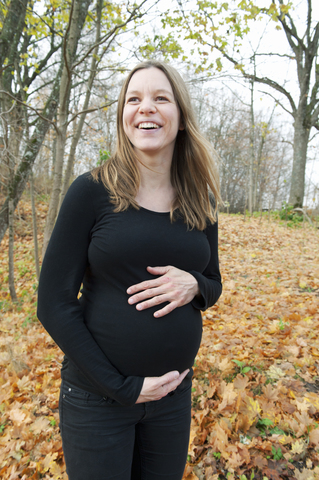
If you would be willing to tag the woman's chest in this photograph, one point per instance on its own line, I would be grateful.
(145, 238)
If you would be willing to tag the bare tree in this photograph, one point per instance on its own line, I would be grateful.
(226, 121)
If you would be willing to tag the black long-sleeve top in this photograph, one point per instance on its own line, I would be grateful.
(110, 346)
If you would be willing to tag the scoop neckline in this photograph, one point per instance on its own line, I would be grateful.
(153, 212)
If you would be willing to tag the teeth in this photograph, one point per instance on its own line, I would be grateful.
(148, 125)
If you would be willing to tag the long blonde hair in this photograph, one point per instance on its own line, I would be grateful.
(193, 169)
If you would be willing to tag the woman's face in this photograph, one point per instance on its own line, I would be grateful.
(151, 117)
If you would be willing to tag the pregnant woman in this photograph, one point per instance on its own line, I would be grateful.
(140, 234)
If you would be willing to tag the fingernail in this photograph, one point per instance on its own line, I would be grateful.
(128, 290)
(155, 314)
(130, 300)
(139, 307)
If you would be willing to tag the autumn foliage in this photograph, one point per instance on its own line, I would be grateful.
(256, 377)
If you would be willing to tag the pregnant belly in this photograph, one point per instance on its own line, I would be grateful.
(139, 344)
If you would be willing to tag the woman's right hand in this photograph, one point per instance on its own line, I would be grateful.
(155, 388)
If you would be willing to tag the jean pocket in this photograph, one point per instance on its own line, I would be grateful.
(81, 398)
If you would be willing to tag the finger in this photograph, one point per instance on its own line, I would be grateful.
(144, 285)
(161, 386)
(168, 377)
(167, 309)
(183, 374)
(170, 387)
(159, 270)
(153, 302)
(149, 293)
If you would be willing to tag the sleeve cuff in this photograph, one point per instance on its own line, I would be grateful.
(199, 302)
(131, 391)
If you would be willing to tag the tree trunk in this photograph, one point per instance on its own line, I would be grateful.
(20, 178)
(79, 126)
(78, 14)
(12, 29)
(35, 230)
(11, 254)
(301, 138)
(252, 149)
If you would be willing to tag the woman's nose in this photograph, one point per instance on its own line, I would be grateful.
(147, 106)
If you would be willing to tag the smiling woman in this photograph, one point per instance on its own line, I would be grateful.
(140, 234)
(151, 117)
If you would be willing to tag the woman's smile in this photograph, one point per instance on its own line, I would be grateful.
(148, 125)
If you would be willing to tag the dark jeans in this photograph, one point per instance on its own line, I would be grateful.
(103, 440)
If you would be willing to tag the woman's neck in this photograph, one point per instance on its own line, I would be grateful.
(155, 191)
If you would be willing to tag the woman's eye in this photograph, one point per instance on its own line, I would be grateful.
(162, 99)
(132, 99)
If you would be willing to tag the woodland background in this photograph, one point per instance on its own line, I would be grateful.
(253, 73)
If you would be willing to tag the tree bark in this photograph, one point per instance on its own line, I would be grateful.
(78, 14)
(301, 138)
(20, 178)
(12, 289)
(12, 29)
(35, 230)
(79, 126)
(251, 205)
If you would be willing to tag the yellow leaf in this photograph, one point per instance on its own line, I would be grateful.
(253, 407)
(39, 425)
(17, 416)
(291, 394)
(298, 447)
(314, 437)
(48, 461)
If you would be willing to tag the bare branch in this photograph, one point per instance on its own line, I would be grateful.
(46, 23)
(89, 110)
(65, 41)
(314, 100)
(10, 109)
(315, 41)
(42, 64)
(31, 108)
(43, 85)
(291, 31)
(309, 21)
(315, 116)
(4, 68)
(110, 34)
(236, 95)
(264, 80)
(277, 101)
(313, 136)
(282, 55)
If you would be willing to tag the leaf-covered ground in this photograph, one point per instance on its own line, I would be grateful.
(256, 384)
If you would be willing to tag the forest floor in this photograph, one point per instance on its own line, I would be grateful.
(256, 376)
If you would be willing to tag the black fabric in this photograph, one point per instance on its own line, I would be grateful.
(102, 441)
(110, 346)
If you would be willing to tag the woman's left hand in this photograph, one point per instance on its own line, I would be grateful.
(174, 286)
